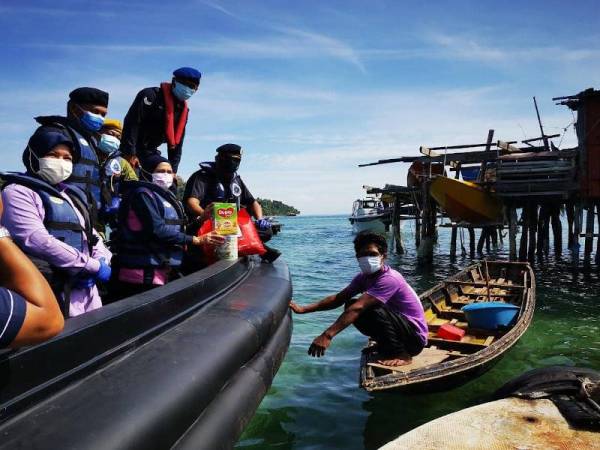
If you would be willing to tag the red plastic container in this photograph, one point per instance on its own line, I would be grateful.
(451, 332)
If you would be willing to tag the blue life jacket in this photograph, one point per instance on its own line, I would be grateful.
(217, 191)
(60, 218)
(110, 189)
(134, 249)
(86, 172)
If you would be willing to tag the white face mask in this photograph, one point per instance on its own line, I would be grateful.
(369, 264)
(164, 180)
(54, 170)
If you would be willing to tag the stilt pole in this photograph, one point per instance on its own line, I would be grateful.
(589, 234)
(570, 209)
(482, 239)
(598, 240)
(576, 232)
(471, 242)
(453, 241)
(557, 231)
(512, 233)
(524, 233)
(533, 221)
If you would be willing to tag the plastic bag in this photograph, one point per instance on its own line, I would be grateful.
(249, 243)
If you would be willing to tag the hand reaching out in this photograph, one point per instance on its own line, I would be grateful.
(319, 345)
(296, 308)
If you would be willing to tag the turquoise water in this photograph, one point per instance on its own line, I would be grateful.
(316, 403)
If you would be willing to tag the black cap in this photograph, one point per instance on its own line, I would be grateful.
(151, 162)
(90, 96)
(229, 149)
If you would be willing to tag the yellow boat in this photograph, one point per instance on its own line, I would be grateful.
(466, 201)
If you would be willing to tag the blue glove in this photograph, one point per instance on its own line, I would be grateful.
(84, 281)
(114, 205)
(263, 224)
(104, 271)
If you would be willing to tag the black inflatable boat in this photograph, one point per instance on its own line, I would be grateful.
(182, 366)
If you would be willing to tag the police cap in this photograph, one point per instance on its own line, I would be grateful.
(187, 72)
(89, 96)
(230, 149)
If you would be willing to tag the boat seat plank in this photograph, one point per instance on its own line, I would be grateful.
(450, 313)
(427, 357)
(493, 293)
(437, 322)
(455, 345)
(477, 284)
(466, 289)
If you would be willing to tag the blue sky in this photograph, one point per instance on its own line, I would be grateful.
(311, 88)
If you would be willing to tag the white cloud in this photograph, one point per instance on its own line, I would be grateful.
(464, 47)
(218, 7)
(284, 43)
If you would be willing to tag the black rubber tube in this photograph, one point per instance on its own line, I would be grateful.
(152, 395)
(224, 420)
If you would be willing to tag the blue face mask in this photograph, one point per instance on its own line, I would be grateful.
(181, 91)
(108, 144)
(91, 121)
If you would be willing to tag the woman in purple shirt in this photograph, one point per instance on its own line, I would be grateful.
(49, 221)
(388, 311)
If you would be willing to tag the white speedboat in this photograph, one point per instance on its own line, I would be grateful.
(369, 214)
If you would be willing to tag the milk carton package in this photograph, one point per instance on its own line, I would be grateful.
(224, 217)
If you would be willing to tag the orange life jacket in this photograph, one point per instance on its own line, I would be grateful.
(173, 137)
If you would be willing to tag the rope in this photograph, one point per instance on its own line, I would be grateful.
(566, 128)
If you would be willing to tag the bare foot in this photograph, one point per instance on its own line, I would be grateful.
(403, 360)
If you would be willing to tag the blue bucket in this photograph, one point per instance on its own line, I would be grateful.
(490, 315)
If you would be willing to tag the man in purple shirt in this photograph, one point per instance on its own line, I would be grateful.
(388, 311)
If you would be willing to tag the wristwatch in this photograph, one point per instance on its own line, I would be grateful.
(4, 232)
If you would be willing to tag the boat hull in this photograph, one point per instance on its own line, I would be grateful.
(474, 357)
(464, 201)
(375, 225)
(153, 370)
(507, 423)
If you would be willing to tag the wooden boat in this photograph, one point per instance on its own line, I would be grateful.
(183, 365)
(447, 363)
(464, 201)
(420, 171)
(540, 420)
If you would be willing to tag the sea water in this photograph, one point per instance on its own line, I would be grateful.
(315, 403)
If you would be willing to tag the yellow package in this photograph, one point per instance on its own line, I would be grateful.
(225, 218)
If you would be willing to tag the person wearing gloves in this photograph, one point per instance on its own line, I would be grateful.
(219, 181)
(159, 115)
(388, 311)
(151, 238)
(50, 221)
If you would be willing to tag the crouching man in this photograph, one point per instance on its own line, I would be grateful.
(388, 311)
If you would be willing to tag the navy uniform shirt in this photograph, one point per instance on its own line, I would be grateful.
(12, 314)
(144, 126)
(202, 185)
